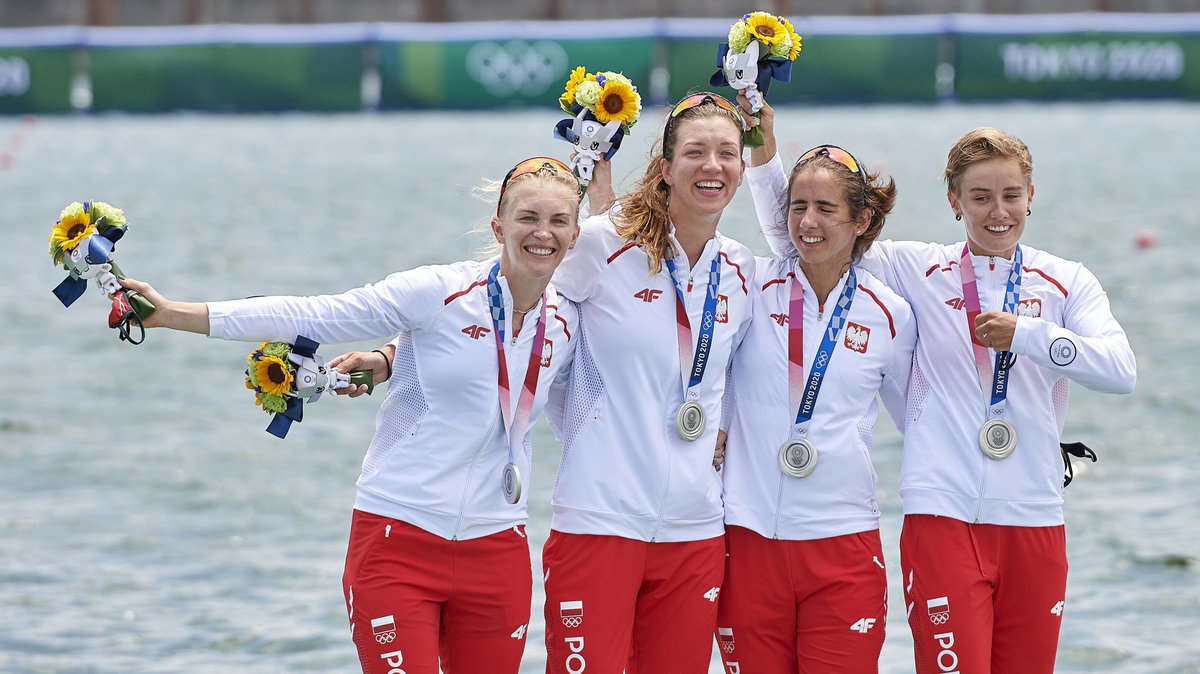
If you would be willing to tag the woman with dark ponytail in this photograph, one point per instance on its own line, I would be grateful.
(805, 586)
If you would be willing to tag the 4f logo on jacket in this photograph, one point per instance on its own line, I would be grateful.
(648, 294)
(781, 319)
(956, 303)
(857, 337)
(476, 331)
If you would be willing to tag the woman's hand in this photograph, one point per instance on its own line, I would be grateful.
(765, 120)
(378, 361)
(719, 451)
(600, 191)
(995, 329)
(187, 316)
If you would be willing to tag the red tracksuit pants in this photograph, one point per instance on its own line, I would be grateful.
(802, 606)
(983, 598)
(618, 605)
(413, 597)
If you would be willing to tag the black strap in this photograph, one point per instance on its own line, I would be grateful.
(130, 318)
(1076, 449)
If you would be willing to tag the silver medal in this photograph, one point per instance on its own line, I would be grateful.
(511, 481)
(798, 457)
(997, 439)
(689, 420)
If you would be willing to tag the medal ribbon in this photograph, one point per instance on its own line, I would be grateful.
(1012, 293)
(514, 423)
(802, 394)
(684, 326)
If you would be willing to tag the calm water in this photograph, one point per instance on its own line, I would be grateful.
(148, 524)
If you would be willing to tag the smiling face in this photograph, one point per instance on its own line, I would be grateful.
(705, 168)
(538, 222)
(992, 197)
(820, 222)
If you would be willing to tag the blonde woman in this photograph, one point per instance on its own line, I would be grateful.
(438, 569)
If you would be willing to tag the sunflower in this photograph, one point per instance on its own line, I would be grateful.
(618, 100)
(272, 375)
(766, 28)
(795, 50)
(68, 232)
(578, 77)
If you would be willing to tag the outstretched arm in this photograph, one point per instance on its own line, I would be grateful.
(186, 316)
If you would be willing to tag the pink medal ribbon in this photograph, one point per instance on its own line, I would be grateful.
(515, 421)
(966, 270)
(997, 437)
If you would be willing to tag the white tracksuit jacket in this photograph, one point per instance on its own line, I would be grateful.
(624, 471)
(1065, 332)
(439, 447)
(873, 355)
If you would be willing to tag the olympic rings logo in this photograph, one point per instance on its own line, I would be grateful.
(385, 637)
(516, 66)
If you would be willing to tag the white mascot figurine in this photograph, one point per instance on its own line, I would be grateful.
(593, 141)
(742, 72)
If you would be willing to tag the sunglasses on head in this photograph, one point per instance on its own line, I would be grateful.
(696, 100)
(702, 97)
(836, 154)
(533, 165)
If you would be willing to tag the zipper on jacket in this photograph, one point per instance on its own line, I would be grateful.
(778, 506)
(982, 486)
(462, 505)
(662, 499)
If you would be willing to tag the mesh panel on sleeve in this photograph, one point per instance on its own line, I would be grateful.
(584, 390)
(918, 390)
(401, 411)
(866, 426)
(728, 399)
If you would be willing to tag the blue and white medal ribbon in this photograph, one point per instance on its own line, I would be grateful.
(515, 421)
(798, 455)
(690, 417)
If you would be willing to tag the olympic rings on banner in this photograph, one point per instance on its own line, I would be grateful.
(517, 67)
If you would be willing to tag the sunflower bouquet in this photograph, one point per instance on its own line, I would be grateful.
(761, 47)
(82, 243)
(284, 375)
(603, 106)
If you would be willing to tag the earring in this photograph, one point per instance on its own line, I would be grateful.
(958, 216)
(1028, 212)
